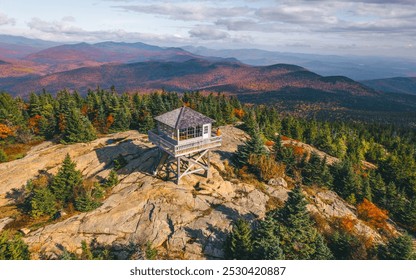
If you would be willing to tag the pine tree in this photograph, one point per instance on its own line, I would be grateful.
(112, 179)
(346, 246)
(77, 128)
(12, 247)
(239, 245)
(312, 171)
(3, 156)
(346, 181)
(42, 202)
(253, 146)
(399, 248)
(122, 119)
(298, 236)
(66, 181)
(322, 252)
(266, 244)
(85, 202)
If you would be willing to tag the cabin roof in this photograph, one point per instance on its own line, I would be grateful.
(183, 117)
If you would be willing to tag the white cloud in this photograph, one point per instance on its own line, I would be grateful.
(188, 12)
(5, 20)
(208, 33)
(64, 30)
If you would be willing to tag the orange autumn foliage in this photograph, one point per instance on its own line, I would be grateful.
(297, 150)
(33, 123)
(110, 121)
(284, 138)
(347, 223)
(5, 131)
(373, 215)
(266, 167)
(239, 113)
(269, 143)
(62, 122)
(84, 110)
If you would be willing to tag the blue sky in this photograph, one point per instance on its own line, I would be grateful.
(360, 27)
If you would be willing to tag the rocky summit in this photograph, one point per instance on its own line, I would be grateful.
(189, 221)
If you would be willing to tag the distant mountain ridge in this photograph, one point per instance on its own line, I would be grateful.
(405, 85)
(355, 67)
(194, 74)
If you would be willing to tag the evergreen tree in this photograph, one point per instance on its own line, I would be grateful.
(85, 202)
(77, 128)
(253, 146)
(399, 248)
(12, 247)
(122, 119)
(66, 182)
(240, 245)
(266, 244)
(316, 171)
(346, 246)
(322, 251)
(146, 122)
(42, 202)
(10, 112)
(112, 179)
(299, 238)
(346, 181)
(3, 156)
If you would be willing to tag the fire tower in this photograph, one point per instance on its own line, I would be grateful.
(184, 139)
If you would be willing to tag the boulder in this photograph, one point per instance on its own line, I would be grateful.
(278, 182)
(4, 222)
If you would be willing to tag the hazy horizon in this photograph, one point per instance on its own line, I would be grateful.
(345, 27)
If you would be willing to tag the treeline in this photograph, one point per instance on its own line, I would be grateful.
(71, 118)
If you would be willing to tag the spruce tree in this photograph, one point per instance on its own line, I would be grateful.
(3, 156)
(12, 247)
(122, 120)
(322, 252)
(112, 179)
(298, 236)
(77, 128)
(266, 244)
(253, 146)
(42, 202)
(66, 181)
(239, 245)
(399, 248)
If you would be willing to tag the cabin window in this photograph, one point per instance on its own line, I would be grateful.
(183, 134)
(205, 129)
(190, 132)
(198, 131)
(165, 129)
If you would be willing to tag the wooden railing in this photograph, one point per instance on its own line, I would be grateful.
(186, 148)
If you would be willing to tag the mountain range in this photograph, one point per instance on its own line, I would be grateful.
(28, 65)
(138, 66)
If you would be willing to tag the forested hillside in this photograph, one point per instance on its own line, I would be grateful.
(383, 193)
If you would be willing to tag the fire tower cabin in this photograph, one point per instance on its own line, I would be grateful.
(184, 139)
